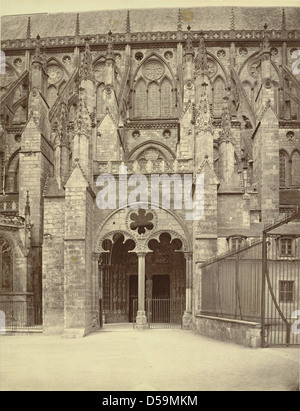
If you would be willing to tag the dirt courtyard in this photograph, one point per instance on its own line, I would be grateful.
(120, 358)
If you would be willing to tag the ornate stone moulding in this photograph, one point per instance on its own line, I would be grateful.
(162, 39)
(140, 125)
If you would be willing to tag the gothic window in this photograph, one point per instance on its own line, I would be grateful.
(153, 100)
(16, 179)
(12, 174)
(6, 265)
(283, 169)
(1, 171)
(296, 169)
(51, 95)
(20, 115)
(166, 98)
(62, 86)
(18, 94)
(100, 101)
(153, 92)
(100, 72)
(218, 95)
(141, 99)
(216, 160)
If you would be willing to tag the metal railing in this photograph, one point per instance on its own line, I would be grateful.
(231, 286)
(162, 312)
(259, 283)
(21, 315)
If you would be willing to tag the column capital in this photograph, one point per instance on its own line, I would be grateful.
(188, 255)
(141, 253)
(95, 256)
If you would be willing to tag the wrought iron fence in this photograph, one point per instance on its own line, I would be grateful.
(281, 279)
(231, 286)
(259, 283)
(162, 312)
(21, 315)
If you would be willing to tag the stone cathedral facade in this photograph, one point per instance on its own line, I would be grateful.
(175, 92)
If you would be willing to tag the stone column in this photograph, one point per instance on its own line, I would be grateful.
(141, 319)
(100, 284)
(95, 291)
(187, 316)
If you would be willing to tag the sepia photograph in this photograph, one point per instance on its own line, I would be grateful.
(149, 198)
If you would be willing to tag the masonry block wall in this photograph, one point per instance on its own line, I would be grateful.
(53, 265)
(148, 99)
(266, 166)
(77, 257)
(108, 143)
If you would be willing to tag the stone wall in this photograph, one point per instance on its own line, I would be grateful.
(243, 333)
(53, 265)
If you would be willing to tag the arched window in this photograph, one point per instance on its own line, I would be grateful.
(218, 95)
(20, 115)
(141, 99)
(216, 160)
(6, 265)
(296, 169)
(166, 98)
(153, 100)
(283, 169)
(100, 102)
(51, 95)
(16, 179)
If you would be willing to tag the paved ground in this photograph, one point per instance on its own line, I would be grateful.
(161, 360)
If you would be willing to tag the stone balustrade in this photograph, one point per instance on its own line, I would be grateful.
(139, 37)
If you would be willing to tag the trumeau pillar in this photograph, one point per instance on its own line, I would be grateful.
(141, 319)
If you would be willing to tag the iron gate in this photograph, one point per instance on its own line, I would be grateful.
(162, 312)
(21, 315)
(259, 283)
(281, 282)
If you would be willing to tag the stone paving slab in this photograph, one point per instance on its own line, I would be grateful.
(121, 358)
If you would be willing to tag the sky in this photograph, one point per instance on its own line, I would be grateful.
(10, 7)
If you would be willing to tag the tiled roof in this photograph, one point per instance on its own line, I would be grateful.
(147, 20)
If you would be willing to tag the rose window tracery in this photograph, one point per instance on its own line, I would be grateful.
(141, 221)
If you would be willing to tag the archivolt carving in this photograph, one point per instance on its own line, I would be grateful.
(110, 236)
(174, 235)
